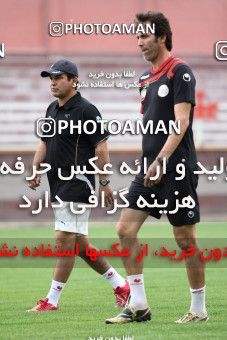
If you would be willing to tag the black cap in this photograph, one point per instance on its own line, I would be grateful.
(60, 67)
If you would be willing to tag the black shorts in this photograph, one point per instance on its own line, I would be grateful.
(171, 189)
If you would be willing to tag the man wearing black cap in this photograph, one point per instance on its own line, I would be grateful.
(64, 150)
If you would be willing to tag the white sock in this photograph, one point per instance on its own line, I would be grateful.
(198, 300)
(55, 292)
(138, 295)
(114, 278)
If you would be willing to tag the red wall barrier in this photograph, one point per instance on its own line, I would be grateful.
(196, 25)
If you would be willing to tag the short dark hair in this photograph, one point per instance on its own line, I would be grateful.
(162, 26)
(70, 76)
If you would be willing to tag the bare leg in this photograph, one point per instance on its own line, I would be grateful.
(127, 228)
(101, 265)
(184, 236)
(64, 265)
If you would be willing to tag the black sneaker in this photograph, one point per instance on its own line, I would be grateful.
(130, 314)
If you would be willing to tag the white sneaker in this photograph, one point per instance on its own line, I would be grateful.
(192, 317)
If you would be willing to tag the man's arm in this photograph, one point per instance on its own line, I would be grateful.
(102, 152)
(39, 157)
(182, 114)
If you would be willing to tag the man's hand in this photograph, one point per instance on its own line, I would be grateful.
(154, 170)
(108, 196)
(39, 157)
(34, 183)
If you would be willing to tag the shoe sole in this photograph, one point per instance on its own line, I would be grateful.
(202, 320)
(141, 319)
(40, 311)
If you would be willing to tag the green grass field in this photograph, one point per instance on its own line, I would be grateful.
(88, 300)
